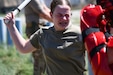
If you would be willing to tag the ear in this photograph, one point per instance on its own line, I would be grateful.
(51, 14)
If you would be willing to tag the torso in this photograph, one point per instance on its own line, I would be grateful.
(64, 52)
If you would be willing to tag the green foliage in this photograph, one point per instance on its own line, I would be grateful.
(14, 63)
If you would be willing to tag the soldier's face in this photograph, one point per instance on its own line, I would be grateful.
(61, 17)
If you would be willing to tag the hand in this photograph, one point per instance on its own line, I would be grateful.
(9, 19)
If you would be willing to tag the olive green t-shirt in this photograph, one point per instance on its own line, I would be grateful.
(63, 50)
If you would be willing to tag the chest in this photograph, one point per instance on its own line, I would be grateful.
(60, 45)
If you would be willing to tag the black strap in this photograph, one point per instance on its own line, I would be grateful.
(107, 35)
(96, 49)
(89, 31)
(18, 9)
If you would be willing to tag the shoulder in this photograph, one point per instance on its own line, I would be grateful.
(45, 29)
(74, 28)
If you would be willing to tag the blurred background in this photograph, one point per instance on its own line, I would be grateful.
(8, 5)
(11, 61)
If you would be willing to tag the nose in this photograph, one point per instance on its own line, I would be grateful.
(64, 17)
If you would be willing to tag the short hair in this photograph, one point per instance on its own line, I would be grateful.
(54, 3)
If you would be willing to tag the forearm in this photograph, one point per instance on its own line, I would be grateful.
(21, 44)
(41, 9)
(46, 11)
(46, 16)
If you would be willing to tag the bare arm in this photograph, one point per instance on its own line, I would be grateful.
(46, 13)
(41, 9)
(24, 46)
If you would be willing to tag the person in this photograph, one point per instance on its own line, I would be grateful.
(97, 26)
(36, 14)
(62, 44)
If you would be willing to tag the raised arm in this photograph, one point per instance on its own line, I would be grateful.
(24, 46)
(41, 9)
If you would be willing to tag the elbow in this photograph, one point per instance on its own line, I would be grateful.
(26, 50)
(23, 50)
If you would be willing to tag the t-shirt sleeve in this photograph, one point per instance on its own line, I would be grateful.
(34, 39)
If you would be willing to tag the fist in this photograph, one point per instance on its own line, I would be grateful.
(9, 19)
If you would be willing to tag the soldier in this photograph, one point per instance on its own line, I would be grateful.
(62, 44)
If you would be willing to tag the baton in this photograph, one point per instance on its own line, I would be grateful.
(19, 8)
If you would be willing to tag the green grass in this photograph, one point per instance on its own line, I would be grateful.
(14, 63)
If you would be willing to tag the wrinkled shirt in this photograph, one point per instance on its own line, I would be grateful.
(63, 50)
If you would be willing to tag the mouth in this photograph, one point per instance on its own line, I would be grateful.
(63, 24)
